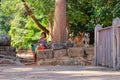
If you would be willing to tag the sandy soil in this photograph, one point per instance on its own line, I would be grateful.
(57, 73)
(33, 72)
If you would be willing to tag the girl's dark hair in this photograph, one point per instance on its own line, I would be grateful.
(43, 33)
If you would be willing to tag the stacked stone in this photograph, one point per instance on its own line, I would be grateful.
(61, 54)
(5, 46)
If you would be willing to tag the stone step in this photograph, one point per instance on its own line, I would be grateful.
(65, 61)
(70, 56)
(45, 54)
(75, 51)
(90, 50)
(8, 51)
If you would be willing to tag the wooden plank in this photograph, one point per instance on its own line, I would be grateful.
(98, 27)
(118, 47)
(103, 46)
(115, 24)
(106, 47)
(111, 49)
(114, 49)
(106, 28)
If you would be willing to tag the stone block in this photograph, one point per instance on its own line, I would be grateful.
(47, 62)
(58, 46)
(75, 52)
(8, 51)
(44, 54)
(60, 53)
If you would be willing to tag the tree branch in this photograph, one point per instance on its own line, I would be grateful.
(29, 12)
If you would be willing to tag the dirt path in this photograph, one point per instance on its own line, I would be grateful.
(33, 72)
(57, 73)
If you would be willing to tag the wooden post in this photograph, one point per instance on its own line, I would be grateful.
(116, 54)
(97, 28)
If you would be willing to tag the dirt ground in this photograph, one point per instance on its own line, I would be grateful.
(57, 73)
(31, 71)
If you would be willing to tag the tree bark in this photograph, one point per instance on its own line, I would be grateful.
(29, 12)
(68, 27)
(50, 26)
(59, 30)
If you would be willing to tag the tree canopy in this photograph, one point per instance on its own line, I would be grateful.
(82, 15)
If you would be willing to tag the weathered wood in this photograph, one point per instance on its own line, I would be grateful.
(5, 40)
(98, 27)
(106, 28)
(107, 45)
(116, 25)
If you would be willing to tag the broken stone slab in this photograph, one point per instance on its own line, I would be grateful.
(5, 40)
(58, 46)
(60, 53)
(44, 54)
(7, 48)
(47, 62)
(69, 45)
(71, 61)
(75, 52)
(62, 46)
(8, 53)
(5, 60)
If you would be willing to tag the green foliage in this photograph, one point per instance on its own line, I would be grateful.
(83, 15)
(4, 23)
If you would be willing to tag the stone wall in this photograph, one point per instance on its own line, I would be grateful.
(69, 56)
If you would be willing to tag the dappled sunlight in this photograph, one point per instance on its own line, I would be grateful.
(22, 69)
(28, 56)
(18, 69)
(57, 73)
(88, 73)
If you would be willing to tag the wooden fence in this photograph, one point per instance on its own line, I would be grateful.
(107, 45)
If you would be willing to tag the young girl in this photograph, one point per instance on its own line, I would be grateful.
(41, 45)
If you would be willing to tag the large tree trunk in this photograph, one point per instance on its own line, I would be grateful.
(29, 12)
(59, 30)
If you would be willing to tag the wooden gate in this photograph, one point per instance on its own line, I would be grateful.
(107, 45)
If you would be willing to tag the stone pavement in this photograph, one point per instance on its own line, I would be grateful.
(57, 73)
